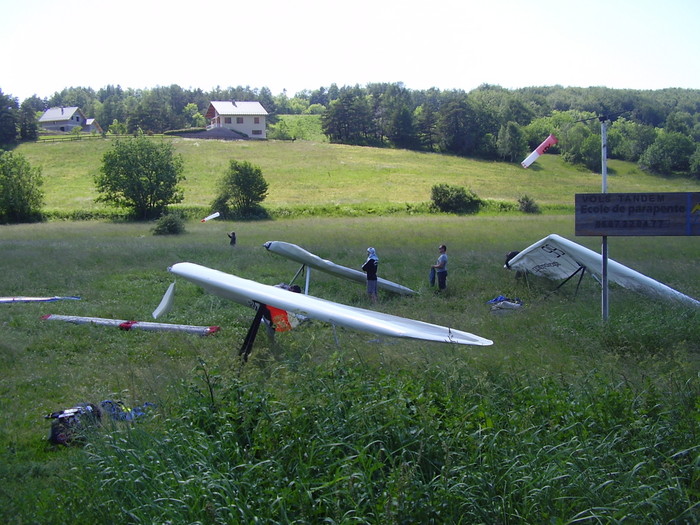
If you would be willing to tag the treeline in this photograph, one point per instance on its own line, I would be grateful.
(658, 129)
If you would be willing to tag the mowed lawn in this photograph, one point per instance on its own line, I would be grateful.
(304, 173)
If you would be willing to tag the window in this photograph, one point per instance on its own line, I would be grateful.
(239, 120)
(256, 120)
(257, 132)
(227, 120)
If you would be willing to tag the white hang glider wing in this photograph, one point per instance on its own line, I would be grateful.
(556, 258)
(250, 293)
(300, 255)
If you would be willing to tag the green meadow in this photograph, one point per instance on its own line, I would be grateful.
(565, 419)
(305, 175)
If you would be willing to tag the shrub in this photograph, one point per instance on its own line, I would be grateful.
(169, 224)
(454, 199)
(527, 204)
(241, 190)
(21, 197)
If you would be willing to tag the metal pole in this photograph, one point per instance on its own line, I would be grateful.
(308, 280)
(604, 250)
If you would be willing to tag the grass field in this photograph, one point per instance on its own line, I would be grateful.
(561, 420)
(308, 174)
(565, 419)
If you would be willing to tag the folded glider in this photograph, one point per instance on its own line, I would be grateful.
(251, 293)
(37, 299)
(300, 255)
(134, 325)
(555, 257)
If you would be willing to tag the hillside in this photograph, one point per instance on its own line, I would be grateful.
(305, 173)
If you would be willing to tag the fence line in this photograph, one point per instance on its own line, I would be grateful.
(70, 138)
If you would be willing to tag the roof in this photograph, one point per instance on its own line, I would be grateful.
(52, 114)
(234, 107)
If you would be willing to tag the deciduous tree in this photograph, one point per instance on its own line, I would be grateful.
(8, 119)
(142, 175)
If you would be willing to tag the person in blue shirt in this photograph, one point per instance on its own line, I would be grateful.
(440, 268)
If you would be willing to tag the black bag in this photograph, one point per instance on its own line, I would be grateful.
(70, 425)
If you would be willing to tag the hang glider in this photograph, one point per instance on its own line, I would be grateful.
(308, 259)
(134, 325)
(37, 299)
(556, 258)
(251, 293)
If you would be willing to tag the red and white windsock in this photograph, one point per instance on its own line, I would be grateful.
(532, 157)
(210, 217)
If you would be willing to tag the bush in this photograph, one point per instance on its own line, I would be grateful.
(455, 199)
(241, 190)
(20, 195)
(169, 224)
(527, 204)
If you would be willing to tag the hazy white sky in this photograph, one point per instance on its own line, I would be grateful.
(48, 45)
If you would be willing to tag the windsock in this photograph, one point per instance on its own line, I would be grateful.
(212, 216)
(532, 157)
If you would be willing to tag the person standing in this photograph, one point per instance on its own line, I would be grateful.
(440, 268)
(370, 268)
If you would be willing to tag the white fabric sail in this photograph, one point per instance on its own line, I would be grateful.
(556, 257)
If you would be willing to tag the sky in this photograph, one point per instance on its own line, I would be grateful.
(290, 46)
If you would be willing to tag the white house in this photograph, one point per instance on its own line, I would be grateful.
(63, 119)
(248, 118)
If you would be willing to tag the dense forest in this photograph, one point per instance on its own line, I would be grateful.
(658, 129)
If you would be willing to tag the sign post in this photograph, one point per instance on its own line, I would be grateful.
(604, 248)
(635, 214)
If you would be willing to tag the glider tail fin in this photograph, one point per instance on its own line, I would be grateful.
(166, 303)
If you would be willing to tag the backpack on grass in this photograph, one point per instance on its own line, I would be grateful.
(70, 425)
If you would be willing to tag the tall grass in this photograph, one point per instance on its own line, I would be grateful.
(565, 419)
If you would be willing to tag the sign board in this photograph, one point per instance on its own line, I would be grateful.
(637, 214)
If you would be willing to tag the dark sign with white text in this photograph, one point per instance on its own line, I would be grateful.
(641, 214)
